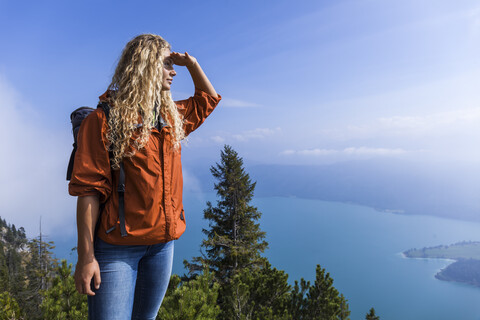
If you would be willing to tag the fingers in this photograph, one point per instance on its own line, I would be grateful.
(97, 279)
(83, 287)
(177, 58)
(183, 59)
(87, 289)
(86, 278)
(178, 55)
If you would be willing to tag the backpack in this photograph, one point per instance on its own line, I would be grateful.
(77, 117)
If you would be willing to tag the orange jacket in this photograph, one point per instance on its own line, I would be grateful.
(153, 177)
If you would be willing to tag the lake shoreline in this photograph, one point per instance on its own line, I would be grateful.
(465, 257)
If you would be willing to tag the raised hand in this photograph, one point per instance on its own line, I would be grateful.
(183, 59)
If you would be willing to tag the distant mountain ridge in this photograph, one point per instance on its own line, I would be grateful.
(387, 185)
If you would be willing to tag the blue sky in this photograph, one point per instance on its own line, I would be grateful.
(304, 82)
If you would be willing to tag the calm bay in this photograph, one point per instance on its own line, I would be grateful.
(361, 249)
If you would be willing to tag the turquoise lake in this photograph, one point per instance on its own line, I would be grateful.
(361, 249)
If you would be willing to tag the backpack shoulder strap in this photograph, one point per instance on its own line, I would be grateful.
(121, 181)
(105, 107)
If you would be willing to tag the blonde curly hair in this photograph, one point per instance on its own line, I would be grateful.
(137, 92)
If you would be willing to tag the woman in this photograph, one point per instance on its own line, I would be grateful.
(127, 175)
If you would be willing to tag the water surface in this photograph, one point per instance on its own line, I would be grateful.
(360, 248)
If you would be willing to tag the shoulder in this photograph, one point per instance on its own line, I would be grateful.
(94, 123)
(97, 115)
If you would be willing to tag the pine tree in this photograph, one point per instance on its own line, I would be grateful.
(26, 268)
(195, 299)
(61, 300)
(249, 286)
(13, 253)
(9, 308)
(4, 278)
(259, 294)
(39, 270)
(323, 299)
(234, 240)
(371, 315)
(298, 301)
(318, 301)
(344, 310)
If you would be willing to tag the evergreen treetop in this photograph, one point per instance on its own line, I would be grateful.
(234, 239)
(371, 315)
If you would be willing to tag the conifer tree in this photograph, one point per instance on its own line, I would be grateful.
(195, 299)
(26, 268)
(234, 239)
(39, 270)
(13, 253)
(371, 315)
(344, 310)
(298, 301)
(9, 308)
(61, 300)
(258, 294)
(324, 300)
(318, 301)
(4, 278)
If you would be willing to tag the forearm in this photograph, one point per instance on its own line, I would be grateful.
(200, 79)
(87, 216)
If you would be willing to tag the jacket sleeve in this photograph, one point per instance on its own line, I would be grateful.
(196, 109)
(91, 170)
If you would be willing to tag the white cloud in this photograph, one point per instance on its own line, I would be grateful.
(373, 151)
(235, 103)
(32, 168)
(288, 152)
(317, 152)
(259, 133)
(217, 139)
(191, 182)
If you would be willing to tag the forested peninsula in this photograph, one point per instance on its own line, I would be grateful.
(465, 269)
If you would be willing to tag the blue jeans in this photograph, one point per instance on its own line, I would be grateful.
(134, 281)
